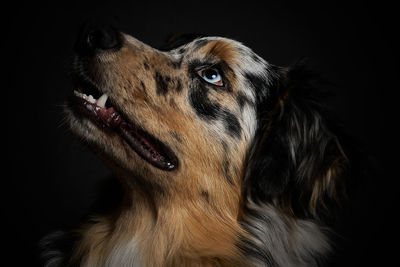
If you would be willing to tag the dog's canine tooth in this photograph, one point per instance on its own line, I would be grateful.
(101, 102)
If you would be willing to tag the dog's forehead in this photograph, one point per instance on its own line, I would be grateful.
(239, 57)
(244, 59)
(203, 45)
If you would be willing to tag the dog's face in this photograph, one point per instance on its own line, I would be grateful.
(182, 119)
(194, 121)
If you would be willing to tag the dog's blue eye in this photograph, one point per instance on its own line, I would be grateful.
(211, 75)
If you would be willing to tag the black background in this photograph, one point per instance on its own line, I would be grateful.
(50, 178)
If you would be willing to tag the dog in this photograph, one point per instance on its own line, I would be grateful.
(223, 158)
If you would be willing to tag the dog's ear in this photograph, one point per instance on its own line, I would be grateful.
(297, 161)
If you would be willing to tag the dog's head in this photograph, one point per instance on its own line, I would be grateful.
(206, 121)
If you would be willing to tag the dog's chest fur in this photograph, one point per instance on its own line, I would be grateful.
(126, 254)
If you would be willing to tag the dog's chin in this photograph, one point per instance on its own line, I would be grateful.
(105, 129)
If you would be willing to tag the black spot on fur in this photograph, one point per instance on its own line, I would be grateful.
(259, 84)
(242, 100)
(173, 104)
(162, 84)
(231, 123)
(176, 136)
(205, 195)
(176, 64)
(178, 87)
(194, 65)
(182, 50)
(227, 173)
(224, 146)
(143, 87)
(206, 109)
(200, 43)
(266, 93)
(256, 58)
(146, 66)
(226, 163)
(203, 106)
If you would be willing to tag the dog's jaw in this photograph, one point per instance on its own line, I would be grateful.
(108, 119)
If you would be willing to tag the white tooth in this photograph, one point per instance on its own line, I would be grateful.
(91, 99)
(102, 100)
(78, 93)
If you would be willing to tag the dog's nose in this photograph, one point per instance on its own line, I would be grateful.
(95, 38)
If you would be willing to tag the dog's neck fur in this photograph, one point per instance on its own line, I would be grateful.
(168, 231)
(174, 234)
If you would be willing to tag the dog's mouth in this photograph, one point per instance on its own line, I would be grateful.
(89, 102)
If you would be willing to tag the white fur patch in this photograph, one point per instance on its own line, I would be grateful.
(249, 121)
(286, 242)
(125, 254)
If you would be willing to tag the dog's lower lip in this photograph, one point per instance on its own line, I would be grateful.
(144, 144)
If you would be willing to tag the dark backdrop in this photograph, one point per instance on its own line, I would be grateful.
(51, 178)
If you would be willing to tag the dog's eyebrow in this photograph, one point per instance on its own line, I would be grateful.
(221, 50)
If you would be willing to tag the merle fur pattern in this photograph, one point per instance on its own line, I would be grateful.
(296, 143)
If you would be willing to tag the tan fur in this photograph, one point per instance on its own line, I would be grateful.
(222, 50)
